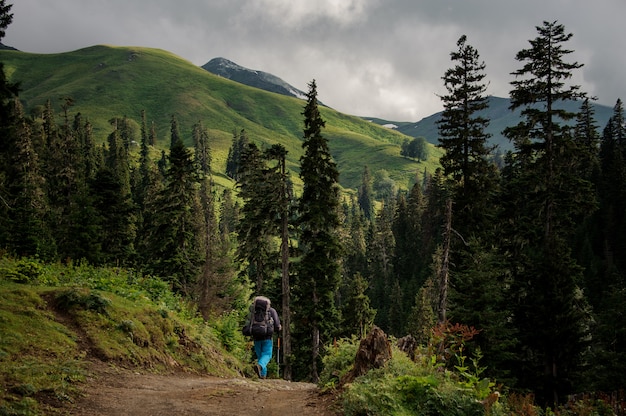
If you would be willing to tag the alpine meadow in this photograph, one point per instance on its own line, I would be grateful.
(144, 202)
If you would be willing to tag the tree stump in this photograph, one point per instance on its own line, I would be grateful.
(408, 345)
(374, 351)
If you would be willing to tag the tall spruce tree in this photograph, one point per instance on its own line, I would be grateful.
(235, 152)
(202, 150)
(318, 275)
(546, 199)
(257, 228)
(29, 232)
(475, 287)
(171, 249)
(381, 246)
(463, 136)
(410, 262)
(366, 194)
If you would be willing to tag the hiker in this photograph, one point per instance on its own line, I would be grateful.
(262, 322)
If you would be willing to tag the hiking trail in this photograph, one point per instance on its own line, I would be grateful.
(115, 391)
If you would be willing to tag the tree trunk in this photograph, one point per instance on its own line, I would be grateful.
(443, 273)
(284, 248)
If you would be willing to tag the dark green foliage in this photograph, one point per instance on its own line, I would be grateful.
(229, 213)
(171, 246)
(613, 193)
(202, 151)
(411, 262)
(318, 272)
(259, 224)
(462, 135)
(480, 298)
(380, 248)
(606, 288)
(547, 198)
(116, 224)
(357, 314)
(235, 154)
(416, 148)
(366, 195)
(477, 295)
(5, 17)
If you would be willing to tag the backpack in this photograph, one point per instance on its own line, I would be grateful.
(261, 321)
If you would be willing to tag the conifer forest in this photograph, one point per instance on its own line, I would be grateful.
(529, 249)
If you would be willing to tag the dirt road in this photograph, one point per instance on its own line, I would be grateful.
(114, 391)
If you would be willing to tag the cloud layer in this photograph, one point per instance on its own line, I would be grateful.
(369, 57)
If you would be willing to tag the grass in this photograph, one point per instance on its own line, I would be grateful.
(56, 318)
(106, 82)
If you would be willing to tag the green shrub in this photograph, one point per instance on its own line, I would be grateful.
(227, 328)
(25, 271)
(425, 387)
(337, 361)
(82, 299)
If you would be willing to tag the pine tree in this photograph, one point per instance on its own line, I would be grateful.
(475, 288)
(546, 199)
(29, 232)
(229, 213)
(278, 154)
(5, 17)
(257, 226)
(202, 151)
(238, 147)
(318, 274)
(464, 139)
(354, 240)
(380, 254)
(171, 249)
(410, 261)
(64, 168)
(366, 194)
(218, 289)
(8, 93)
(357, 314)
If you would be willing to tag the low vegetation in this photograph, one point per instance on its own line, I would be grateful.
(441, 379)
(56, 318)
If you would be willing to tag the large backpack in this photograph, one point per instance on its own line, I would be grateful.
(261, 321)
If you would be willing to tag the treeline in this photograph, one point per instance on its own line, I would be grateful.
(530, 254)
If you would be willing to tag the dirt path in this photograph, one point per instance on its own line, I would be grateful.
(114, 391)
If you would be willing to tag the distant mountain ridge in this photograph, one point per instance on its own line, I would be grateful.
(500, 117)
(253, 78)
(498, 112)
(6, 47)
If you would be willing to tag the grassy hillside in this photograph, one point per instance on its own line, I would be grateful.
(57, 319)
(107, 82)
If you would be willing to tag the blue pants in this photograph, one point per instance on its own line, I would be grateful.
(263, 350)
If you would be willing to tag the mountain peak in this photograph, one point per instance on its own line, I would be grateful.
(253, 78)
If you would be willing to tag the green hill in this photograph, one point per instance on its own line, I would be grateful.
(107, 82)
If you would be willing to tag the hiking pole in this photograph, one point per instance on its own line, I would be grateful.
(278, 359)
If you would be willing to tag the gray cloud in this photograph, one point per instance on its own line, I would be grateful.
(369, 57)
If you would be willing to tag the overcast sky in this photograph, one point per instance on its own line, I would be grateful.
(379, 58)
